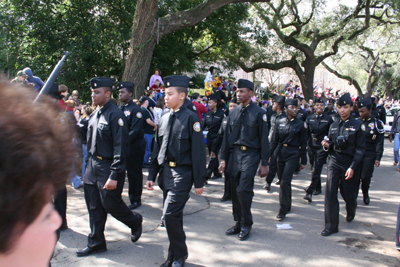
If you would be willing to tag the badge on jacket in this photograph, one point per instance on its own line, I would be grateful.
(139, 115)
(196, 127)
(120, 122)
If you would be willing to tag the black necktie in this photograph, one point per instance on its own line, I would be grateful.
(166, 138)
(94, 132)
(237, 128)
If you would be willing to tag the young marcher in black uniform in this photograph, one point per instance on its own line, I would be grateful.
(318, 125)
(346, 148)
(330, 109)
(278, 107)
(212, 121)
(374, 137)
(354, 113)
(137, 143)
(180, 158)
(104, 179)
(245, 143)
(290, 141)
(216, 147)
(380, 110)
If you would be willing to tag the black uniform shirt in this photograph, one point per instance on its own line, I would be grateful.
(292, 135)
(374, 136)
(381, 113)
(107, 127)
(274, 118)
(185, 145)
(148, 129)
(302, 114)
(355, 114)
(247, 126)
(355, 140)
(134, 118)
(83, 127)
(218, 141)
(213, 120)
(189, 105)
(318, 128)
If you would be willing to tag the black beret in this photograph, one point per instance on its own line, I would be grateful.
(142, 99)
(345, 99)
(101, 82)
(319, 100)
(234, 100)
(243, 83)
(366, 102)
(214, 97)
(331, 101)
(280, 99)
(293, 102)
(127, 85)
(176, 80)
(358, 98)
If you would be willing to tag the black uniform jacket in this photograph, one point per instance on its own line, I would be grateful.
(185, 148)
(290, 137)
(302, 114)
(111, 138)
(274, 118)
(318, 128)
(355, 140)
(374, 136)
(251, 131)
(134, 117)
(218, 141)
(212, 120)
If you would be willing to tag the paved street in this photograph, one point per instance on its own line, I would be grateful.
(367, 241)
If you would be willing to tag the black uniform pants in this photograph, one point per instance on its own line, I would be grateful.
(348, 189)
(242, 168)
(60, 205)
(319, 160)
(273, 168)
(367, 170)
(101, 201)
(311, 155)
(227, 183)
(285, 172)
(178, 182)
(134, 170)
(214, 163)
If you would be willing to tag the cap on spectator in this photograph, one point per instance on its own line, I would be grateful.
(264, 102)
(101, 82)
(22, 74)
(75, 93)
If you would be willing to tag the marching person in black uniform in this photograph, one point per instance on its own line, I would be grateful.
(245, 143)
(216, 147)
(346, 146)
(137, 143)
(374, 137)
(278, 108)
(105, 172)
(212, 121)
(318, 127)
(301, 113)
(290, 141)
(330, 109)
(179, 156)
(354, 113)
(379, 108)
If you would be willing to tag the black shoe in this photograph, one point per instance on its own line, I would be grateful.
(179, 262)
(135, 205)
(267, 187)
(88, 250)
(328, 232)
(135, 234)
(167, 263)
(317, 192)
(366, 200)
(278, 183)
(225, 198)
(350, 217)
(145, 165)
(233, 230)
(244, 233)
(308, 197)
(280, 217)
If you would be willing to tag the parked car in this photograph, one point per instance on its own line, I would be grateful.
(389, 119)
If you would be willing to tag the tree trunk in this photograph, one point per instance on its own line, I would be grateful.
(307, 83)
(142, 45)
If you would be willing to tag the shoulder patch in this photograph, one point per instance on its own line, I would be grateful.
(139, 115)
(305, 125)
(197, 127)
(363, 127)
(265, 117)
(120, 122)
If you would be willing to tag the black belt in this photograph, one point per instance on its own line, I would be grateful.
(286, 145)
(244, 148)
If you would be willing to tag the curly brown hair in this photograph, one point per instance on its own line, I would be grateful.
(35, 159)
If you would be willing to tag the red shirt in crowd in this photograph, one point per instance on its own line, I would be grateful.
(200, 109)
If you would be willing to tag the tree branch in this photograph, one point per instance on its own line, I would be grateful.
(189, 18)
(344, 77)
